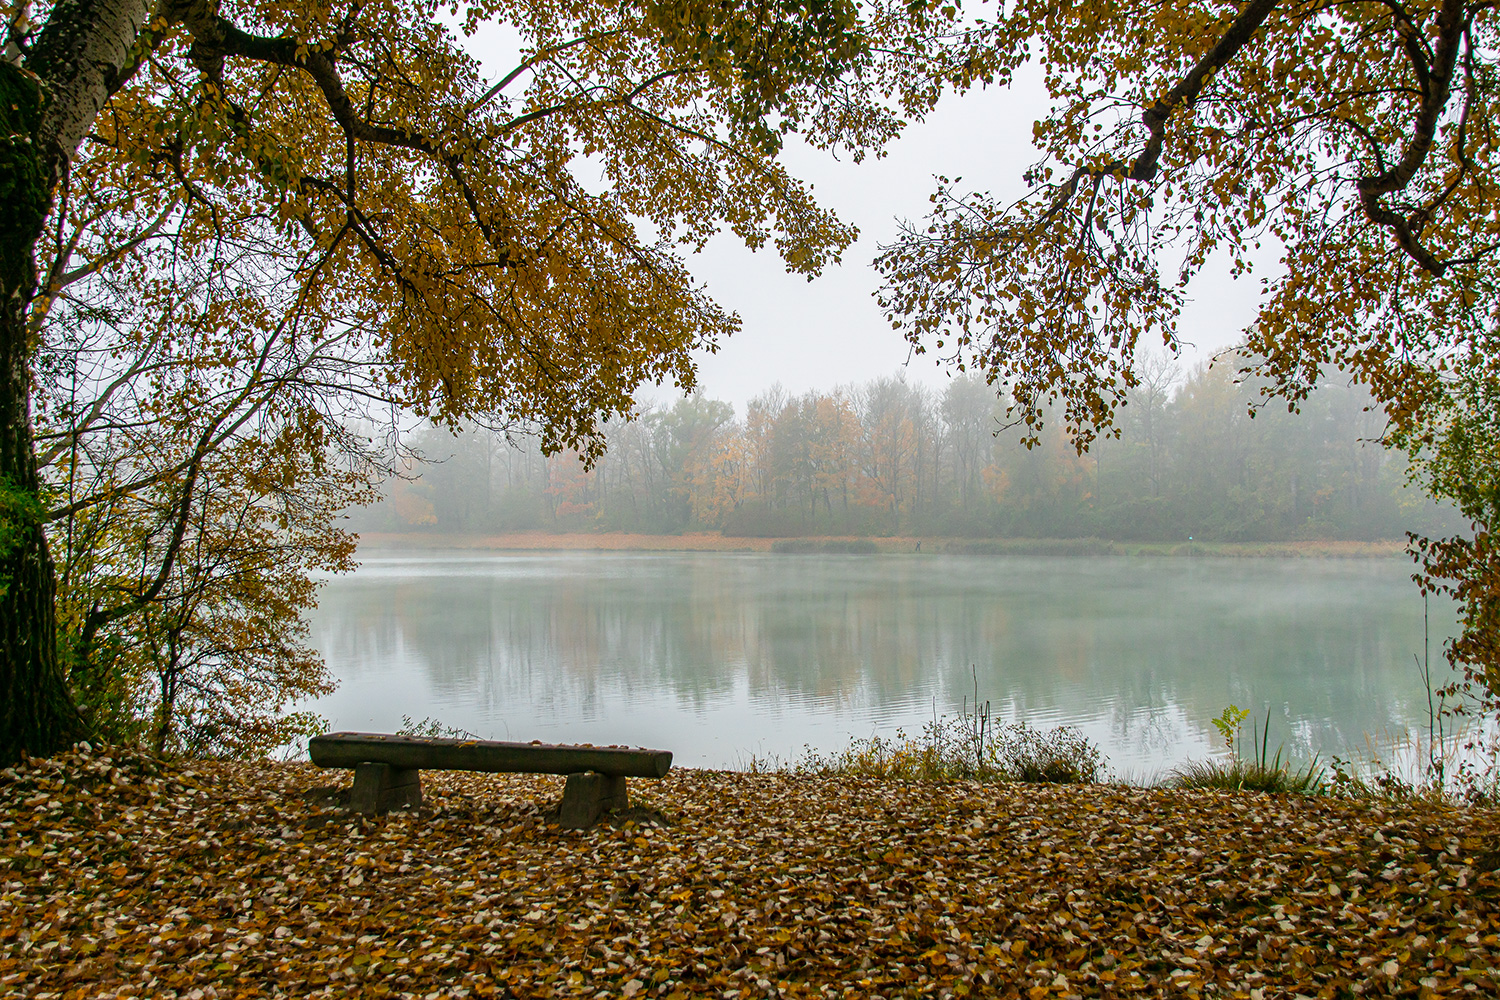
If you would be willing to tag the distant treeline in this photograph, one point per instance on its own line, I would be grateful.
(890, 457)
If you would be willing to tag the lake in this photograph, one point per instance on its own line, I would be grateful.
(721, 657)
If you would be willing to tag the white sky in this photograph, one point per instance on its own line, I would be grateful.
(815, 335)
(829, 332)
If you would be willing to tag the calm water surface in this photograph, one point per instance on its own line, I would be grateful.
(721, 656)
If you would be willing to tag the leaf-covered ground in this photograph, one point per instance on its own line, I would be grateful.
(119, 877)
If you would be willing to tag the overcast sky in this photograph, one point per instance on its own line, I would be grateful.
(829, 332)
(815, 335)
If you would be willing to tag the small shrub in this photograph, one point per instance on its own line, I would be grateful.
(963, 748)
(879, 757)
(1058, 756)
(247, 737)
(1464, 770)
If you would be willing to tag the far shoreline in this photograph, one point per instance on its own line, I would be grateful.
(619, 541)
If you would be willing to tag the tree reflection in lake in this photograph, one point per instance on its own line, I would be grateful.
(718, 656)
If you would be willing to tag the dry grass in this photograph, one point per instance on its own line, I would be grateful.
(706, 541)
(541, 541)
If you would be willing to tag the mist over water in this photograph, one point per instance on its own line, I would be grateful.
(721, 656)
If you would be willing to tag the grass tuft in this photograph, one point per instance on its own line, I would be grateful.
(1248, 776)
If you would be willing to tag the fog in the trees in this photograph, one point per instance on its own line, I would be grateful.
(892, 457)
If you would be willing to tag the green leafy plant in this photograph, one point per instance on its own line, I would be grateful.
(1262, 772)
(1228, 724)
(20, 512)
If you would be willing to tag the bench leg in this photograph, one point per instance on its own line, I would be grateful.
(587, 796)
(379, 788)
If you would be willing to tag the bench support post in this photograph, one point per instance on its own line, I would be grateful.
(589, 795)
(379, 788)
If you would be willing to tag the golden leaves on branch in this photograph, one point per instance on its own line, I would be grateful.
(1052, 295)
(364, 143)
(120, 875)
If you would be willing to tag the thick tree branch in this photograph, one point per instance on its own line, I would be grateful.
(1240, 31)
(1155, 118)
(215, 37)
(1436, 78)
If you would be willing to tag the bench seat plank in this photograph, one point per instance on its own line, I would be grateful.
(417, 752)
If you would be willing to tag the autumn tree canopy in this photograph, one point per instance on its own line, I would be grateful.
(1356, 141)
(505, 245)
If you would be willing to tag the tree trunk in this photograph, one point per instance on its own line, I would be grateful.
(36, 712)
(75, 62)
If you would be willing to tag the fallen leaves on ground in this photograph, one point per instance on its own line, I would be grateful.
(121, 876)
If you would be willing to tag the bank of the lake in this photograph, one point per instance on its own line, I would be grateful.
(710, 541)
(218, 880)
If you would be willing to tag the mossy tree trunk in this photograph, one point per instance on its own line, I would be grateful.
(46, 107)
(36, 712)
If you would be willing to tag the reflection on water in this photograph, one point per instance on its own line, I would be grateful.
(718, 656)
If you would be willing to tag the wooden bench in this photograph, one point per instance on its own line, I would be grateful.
(387, 769)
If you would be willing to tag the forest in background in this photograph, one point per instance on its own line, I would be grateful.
(890, 457)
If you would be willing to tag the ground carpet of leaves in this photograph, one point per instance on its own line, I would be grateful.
(123, 877)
